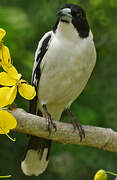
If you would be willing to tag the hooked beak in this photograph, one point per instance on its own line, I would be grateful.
(65, 12)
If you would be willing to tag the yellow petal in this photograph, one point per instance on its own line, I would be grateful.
(5, 55)
(3, 96)
(6, 80)
(12, 71)
(2, 33)
(101, 175)
(7, 122)
(0, 62)
(11, 94)
(27, 91)
(1, 56)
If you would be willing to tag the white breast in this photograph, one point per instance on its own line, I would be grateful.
(66, 68)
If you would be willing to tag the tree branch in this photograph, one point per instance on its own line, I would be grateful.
(101, 138)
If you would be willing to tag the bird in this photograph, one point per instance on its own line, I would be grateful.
(64, 60)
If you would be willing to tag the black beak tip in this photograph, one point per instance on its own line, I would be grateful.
(59, 13)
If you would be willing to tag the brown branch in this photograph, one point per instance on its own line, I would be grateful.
(101, 138)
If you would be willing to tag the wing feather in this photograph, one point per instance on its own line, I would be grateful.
(36, 73)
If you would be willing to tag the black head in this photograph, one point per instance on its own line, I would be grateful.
(70, 13)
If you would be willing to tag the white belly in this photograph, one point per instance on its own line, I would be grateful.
(64, 75)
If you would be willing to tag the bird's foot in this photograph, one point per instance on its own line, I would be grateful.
(50, 124)
(77, 126)
(80, 129)
(49, 121)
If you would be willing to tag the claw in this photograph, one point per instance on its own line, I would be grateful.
(49, 121)
(77, 126)
(50, 124)
(80, 129)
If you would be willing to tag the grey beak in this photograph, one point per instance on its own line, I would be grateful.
(64, 12)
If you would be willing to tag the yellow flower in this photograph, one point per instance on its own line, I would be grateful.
(101, 175)
(12, 80)
(7, 122)
(5, 58)
(2, 33)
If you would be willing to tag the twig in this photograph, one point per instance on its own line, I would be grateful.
(101, 138)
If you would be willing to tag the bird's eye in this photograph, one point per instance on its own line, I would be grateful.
(79, 14)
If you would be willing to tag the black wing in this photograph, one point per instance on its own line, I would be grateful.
(40, 52)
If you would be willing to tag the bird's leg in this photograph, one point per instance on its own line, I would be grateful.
(77, 125)
(49, 120)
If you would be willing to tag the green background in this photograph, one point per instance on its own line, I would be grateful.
(26, 22)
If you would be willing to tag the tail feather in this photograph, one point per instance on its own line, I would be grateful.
(36, 159)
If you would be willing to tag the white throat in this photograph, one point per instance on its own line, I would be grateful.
(67, 31)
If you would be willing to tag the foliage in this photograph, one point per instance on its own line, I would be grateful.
(12, 81)
(26, 22)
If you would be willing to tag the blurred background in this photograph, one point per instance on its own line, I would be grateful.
(26, 22)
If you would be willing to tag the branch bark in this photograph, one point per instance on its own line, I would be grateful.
(102, 138)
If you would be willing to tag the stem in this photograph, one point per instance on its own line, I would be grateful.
(114, 174)
(5, 176)
(8, 135)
